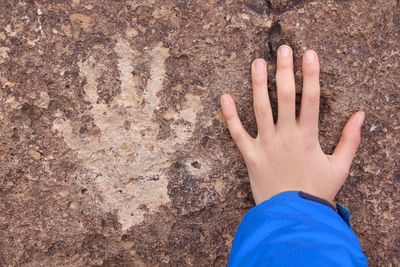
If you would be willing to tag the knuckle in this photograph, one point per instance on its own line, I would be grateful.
(351, 139)
(237, 136)
(285, 64)
(261, 111)
(311, 70)
(311, 98)
(250, 157)
(288, 95)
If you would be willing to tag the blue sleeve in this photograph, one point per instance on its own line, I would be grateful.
(291, 229)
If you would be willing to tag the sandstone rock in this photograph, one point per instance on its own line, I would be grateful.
(136, 166)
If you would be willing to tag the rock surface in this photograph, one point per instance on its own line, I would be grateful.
(112, 146)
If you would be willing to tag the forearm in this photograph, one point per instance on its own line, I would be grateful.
(289, 230)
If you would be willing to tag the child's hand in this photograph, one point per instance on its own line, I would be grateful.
(287, 155)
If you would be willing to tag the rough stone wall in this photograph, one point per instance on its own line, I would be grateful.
(112, 146)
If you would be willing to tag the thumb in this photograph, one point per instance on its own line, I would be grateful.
(348, 142)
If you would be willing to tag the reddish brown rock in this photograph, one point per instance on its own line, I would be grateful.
(112, 146)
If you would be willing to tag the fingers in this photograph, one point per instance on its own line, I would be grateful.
(309, 112)
(262, 106)
(286, 90)
(348, 143)
(239, 135)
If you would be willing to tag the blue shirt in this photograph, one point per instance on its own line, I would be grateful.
(296, 229)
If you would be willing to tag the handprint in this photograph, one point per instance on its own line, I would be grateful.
(129, 162)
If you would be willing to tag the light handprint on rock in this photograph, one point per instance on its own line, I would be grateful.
(130, 164)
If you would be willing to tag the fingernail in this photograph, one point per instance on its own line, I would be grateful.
(224, 101)
(260, 65)
(284, 51)
(309, 56)
(360, 119)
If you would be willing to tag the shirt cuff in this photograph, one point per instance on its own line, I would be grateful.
(343, 212)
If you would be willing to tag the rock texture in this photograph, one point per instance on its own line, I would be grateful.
(112, 146)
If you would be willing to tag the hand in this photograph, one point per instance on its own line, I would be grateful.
(287, 156)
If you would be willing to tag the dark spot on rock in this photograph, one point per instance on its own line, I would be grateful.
(297, 2)
(4, 226)
(155, 177)
(198, 81)
(177, 165)
(165, 129)
(55, 247)
(110, 220)
(143, 13)
(196, 164)
(144, 208)
(125, 237)
(83, 129)
(274, 40)
(281, 6)
(127, 125)
(204, 141)
(31, 112)
(88, 127)
(94, 244)
(120, 259)
(258, 6)
(397, 176)
(83, 191)
(15, 135)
